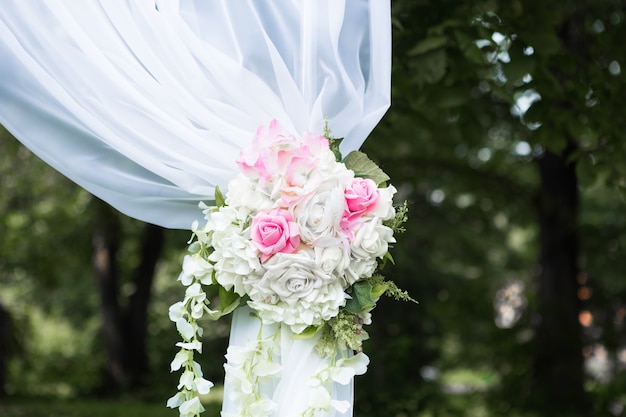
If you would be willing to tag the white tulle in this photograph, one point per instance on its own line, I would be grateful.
(147, 104)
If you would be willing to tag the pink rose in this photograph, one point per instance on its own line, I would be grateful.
(362, 196)
(274, 232)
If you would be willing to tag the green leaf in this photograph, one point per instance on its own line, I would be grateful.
(379, 289)
(517, 68)
(431, 66)
(334, 146)
(220, 201)
(387, 258)
(427, 45)
(536, 113)
(231, 307)
(469, 48)
(361, 298)
(503, 94)
(213, 314)
(586, 171)
(362, 166)
(450, 97)
(229, 301)
(308, 332)
(544, 41)
(227, 297)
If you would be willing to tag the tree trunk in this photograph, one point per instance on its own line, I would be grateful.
(6, 347)
(124, 330)
(137, 320)
(558, 369)
(105, 244)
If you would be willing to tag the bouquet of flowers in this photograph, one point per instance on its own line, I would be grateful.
(299, 237)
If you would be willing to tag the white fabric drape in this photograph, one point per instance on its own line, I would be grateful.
(147, 104)
(299, 363)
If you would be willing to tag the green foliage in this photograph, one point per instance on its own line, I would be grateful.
(44, 275)
(361, 298)
(220, 201)
(364, 167)
(48, 284)
(333, 142)
(480, 91)
(397, 223)
(94, 408)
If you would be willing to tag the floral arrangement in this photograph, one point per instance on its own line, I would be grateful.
(299, 237)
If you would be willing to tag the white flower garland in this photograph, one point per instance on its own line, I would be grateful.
(185, 314)
(299, 238)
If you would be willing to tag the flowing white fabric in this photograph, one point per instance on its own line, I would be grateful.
(147, 104)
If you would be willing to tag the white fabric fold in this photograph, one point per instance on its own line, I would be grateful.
(147, 104)
(299, 362)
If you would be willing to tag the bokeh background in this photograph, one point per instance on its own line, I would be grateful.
(506, 136)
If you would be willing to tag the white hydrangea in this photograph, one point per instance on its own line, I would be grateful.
(246, 195)
(235, 258)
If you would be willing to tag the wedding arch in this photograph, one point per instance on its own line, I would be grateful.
(148, 105)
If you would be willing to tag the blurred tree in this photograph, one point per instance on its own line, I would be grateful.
(9, 345)
(44, 272)
(47, 223)
(124, 329)
(503, 111)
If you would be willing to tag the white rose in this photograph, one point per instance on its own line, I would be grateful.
(332, 259)
(372, 239)
(359, 268)
(384, 209)
(303, 314)
(319, 215)
(294, 276)
(296, 291)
